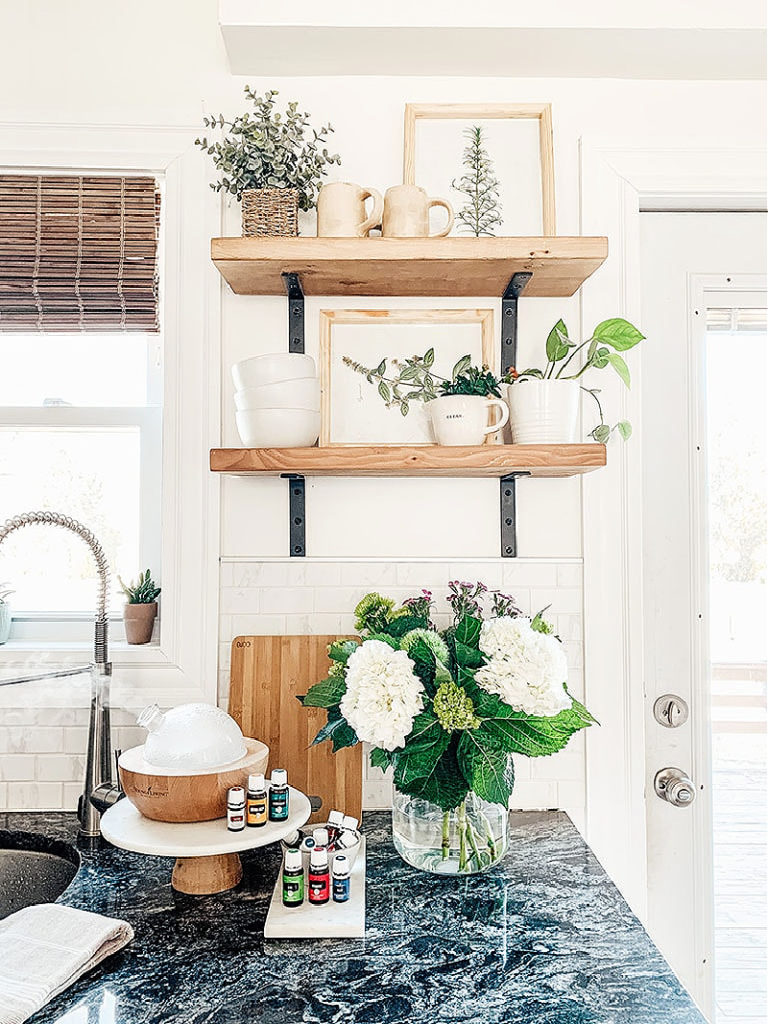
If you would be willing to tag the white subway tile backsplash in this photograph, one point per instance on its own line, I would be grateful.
(240, 599)
(255, 625)
(17, 767)
(59, 768)
(560, 599)
(35, 796)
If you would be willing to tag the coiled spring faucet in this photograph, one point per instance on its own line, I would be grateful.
(98, 768)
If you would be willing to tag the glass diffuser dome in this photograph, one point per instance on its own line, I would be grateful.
(191, 737)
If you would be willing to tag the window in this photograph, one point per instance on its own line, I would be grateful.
(81, 355)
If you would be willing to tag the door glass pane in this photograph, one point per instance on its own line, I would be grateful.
(93, 474)
(737, 362)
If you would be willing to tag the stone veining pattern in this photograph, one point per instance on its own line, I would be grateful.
(545, 938)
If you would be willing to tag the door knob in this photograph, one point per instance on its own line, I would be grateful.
(674, 786)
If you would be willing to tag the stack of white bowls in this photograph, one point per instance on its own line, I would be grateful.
(277, 401)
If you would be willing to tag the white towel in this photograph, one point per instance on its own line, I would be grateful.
(45, 948)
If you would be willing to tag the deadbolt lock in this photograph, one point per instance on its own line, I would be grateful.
(674, 786)
(670, 711)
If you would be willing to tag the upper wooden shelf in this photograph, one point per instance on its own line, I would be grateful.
(490, 460)
(414, 266)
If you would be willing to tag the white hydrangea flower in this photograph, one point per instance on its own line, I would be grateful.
(527, 669)
(383, 696)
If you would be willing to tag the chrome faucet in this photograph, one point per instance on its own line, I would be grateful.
(98, 768)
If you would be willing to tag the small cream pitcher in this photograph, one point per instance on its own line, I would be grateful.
(341, 210)
(406, 213)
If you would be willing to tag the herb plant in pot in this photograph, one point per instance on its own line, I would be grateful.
(544, 403)
(140, 610)
(458, 405)
(272, 162)
(5, 614)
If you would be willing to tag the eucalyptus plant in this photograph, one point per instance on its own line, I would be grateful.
(144, 591)
(416, 380)
(569, 360)
(269, 149)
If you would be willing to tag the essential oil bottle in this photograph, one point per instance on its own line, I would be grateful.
(278, 795)
(236, 809)
(319, 887)
(256, 802)
(335, 820)
(320, 835)
(293, 879)
(340, 878)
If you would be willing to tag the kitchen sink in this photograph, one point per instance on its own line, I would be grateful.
(33, 869)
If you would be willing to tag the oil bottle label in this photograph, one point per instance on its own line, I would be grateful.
(340, 890)
(257, 812)
(278, 805)
(319, 888)
(293, 889)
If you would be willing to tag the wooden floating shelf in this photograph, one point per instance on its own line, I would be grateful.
(492, 460)
(452, 267)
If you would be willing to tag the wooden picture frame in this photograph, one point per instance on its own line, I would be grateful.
(445, 357)
(542, 112)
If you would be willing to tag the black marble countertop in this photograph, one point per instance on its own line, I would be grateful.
(544, 938)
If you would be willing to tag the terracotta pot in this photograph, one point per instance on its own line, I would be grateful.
(139, 621)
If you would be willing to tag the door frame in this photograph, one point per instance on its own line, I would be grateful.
(618, 181)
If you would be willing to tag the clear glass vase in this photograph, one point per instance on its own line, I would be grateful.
(464, 841)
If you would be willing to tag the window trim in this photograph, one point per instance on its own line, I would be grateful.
(183, 666)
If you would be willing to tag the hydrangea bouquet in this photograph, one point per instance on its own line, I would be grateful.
(447, 710)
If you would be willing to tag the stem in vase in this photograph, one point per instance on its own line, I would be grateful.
(446, 845)
(473, 843)
(461, 820)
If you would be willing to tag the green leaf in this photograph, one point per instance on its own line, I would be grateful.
(468, 630)
(444, 784)
(518, 733)
(487, 768)
(468, 657)
(424, 665)
(387, 639)
(600, 359)
(384, 390)
(404, 407)
(380, 758)
(532, 373)
(405, 623)
(619, 366)
(602, 433)
(326, 693)
(429, 357)
(334, 721)
(463, 364)
(343, 736)
(557, 343)
(618, 333)
(624, 427)
(340, 650)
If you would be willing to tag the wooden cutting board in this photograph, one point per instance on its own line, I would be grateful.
(267, 673)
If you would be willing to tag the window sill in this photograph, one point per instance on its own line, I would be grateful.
(78, 651)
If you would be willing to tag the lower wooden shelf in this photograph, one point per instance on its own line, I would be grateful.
(492, 460)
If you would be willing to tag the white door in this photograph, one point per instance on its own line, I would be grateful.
(703, 442)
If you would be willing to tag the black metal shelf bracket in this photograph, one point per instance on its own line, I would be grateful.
(507, 484)
(297, 514)
(295, 293)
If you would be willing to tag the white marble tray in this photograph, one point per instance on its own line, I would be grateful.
(333, 920)
(124, 826)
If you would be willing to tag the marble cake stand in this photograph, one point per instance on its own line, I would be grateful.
(206, 852)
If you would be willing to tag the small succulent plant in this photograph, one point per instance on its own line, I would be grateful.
(144, 591)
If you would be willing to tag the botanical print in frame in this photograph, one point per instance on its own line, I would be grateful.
(494, 163)
(352, 412)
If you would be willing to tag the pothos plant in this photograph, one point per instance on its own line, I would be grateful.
(447, 710)
(416, 380)
(569, 360)
(269, 149)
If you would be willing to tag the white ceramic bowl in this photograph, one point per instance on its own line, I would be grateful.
(269, 369)
(307, 830)
(278, 428)
(303, 393)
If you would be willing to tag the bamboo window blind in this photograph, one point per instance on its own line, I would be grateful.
(78, 253)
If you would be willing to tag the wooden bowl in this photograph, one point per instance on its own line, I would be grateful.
(164, 795)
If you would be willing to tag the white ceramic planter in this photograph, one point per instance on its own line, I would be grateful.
(303, 393)
(5, 621)
(271, 368)
(544, 411)
(463, 419)
(278, 428)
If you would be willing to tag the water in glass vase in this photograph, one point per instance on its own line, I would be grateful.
(464, 841)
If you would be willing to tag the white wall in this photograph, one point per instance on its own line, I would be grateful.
(81, 62)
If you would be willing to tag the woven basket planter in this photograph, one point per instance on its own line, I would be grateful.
(270, 211)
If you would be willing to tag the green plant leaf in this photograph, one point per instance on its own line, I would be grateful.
(384, 391)
(600, 358)
(468, 657)
(380, 758)
(340, 650)
(463, 364)
(468, 630)
(518, 733)
(487, 768)
(602, 433)
(624, 427)
(325, 694)
(343, 736)
(429, 357)
(557, 342)
(531, 373)
(444, 784)
(424, 664)
(405, 623)
(618, 333)
(427, 734)
(619, 366)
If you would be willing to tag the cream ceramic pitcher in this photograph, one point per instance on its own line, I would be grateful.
(341, 210)
(406, 213)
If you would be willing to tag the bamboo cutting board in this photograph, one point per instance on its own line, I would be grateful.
(267, 673)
